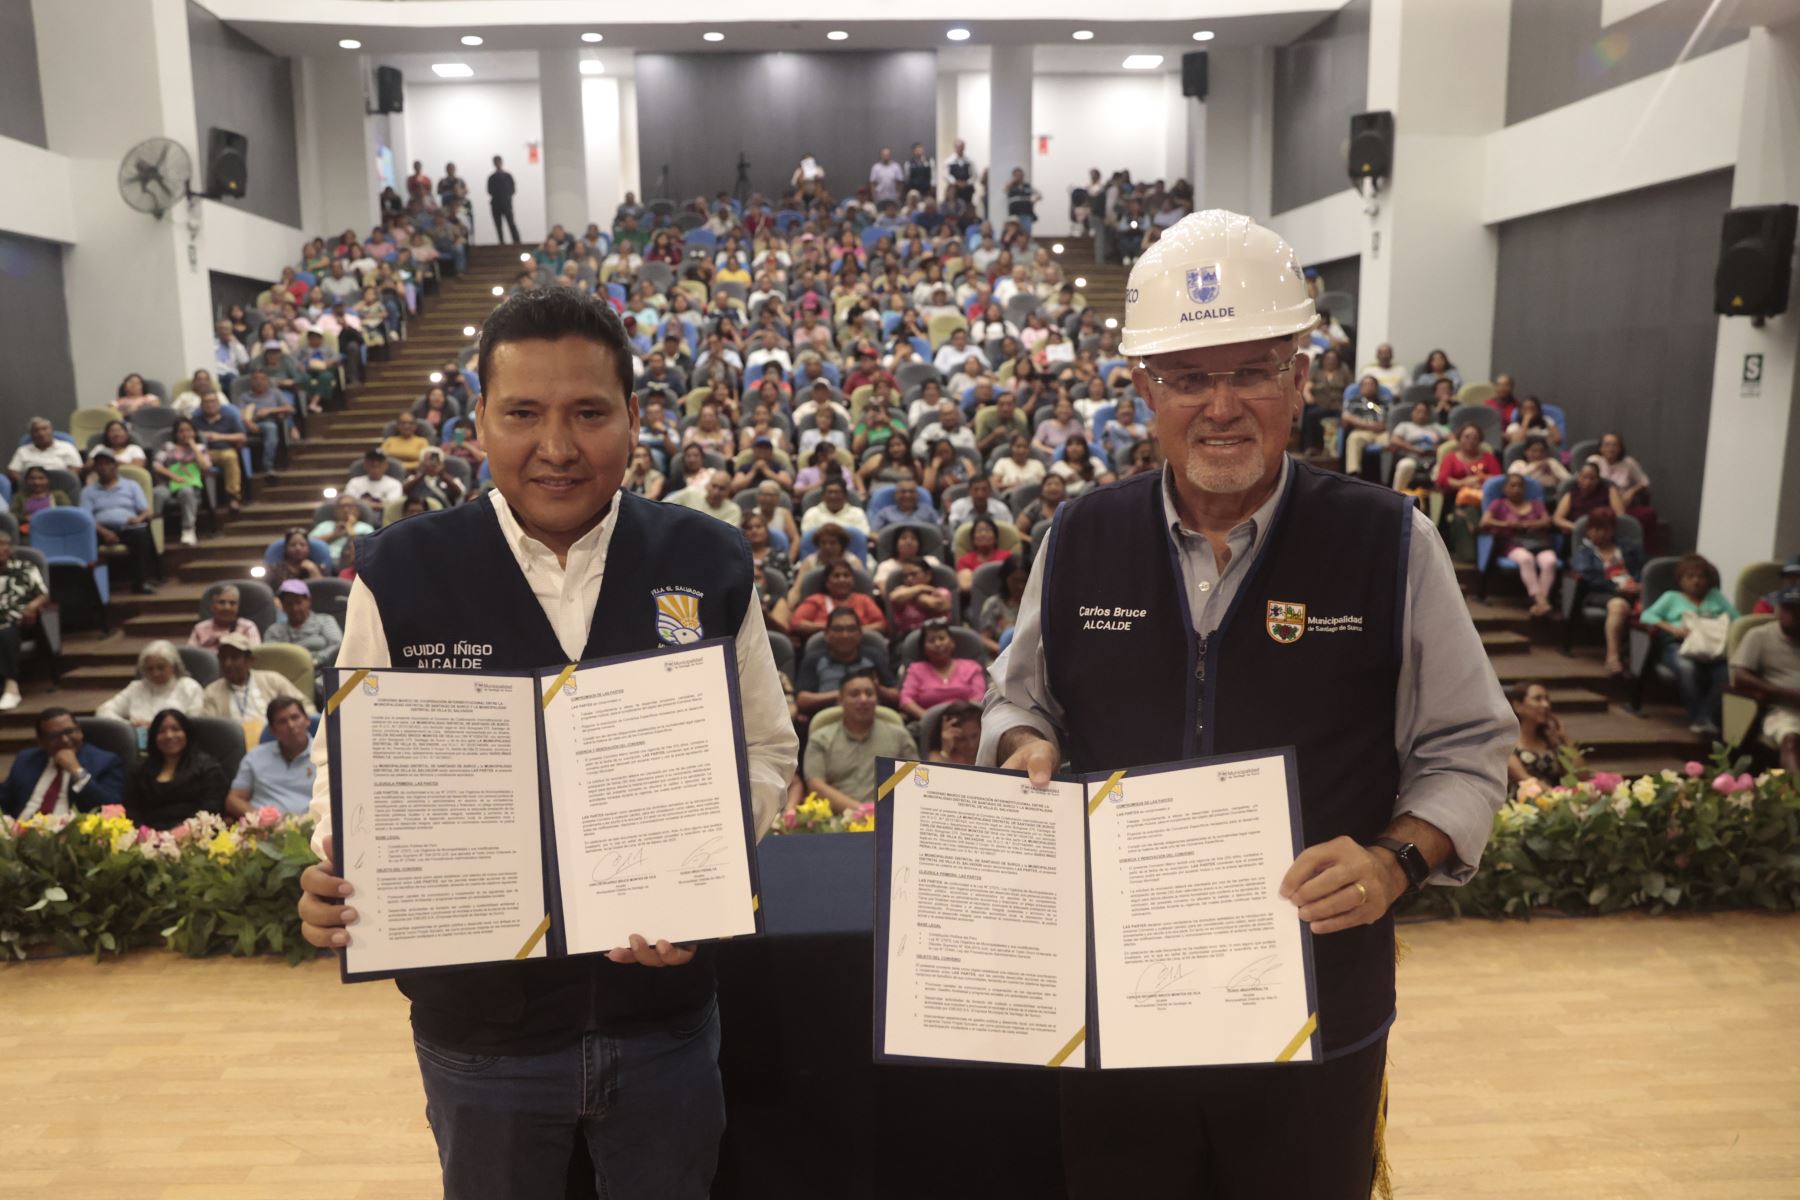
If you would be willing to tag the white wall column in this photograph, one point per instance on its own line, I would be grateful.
(631, 176)
(946, 123)
(337, 147)
(1182, 112)
(138, 294)
(565, 139)
(1750, 494)
(1009, 123)
(1225, 167)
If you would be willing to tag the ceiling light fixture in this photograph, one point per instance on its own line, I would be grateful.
(470, 39)
(349, 44)
(592, 66)
(1056, 247)
(1112, 322)
(258, 571)
(958, 34)
(1142, 62)
(524, 258)
(452, 70)
(1083, 35)
(591, 38)
(331, 493)
(1204, 35)
(436, 377)
(1081, 281)
(468, 331)
(712, 35)
(498, 290)
(837, 35)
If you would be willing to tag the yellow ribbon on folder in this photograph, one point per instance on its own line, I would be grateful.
(1299, 1039)
(537, 935)
(556, 685)
(1112, 781)
(1061, 1056)
(893, 781)
(343, 693)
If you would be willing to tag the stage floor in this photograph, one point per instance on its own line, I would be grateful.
(1625, 1057)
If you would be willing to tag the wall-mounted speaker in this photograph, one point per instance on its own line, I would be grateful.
(227, 162)
(1756, 257)
(1193, 74)
(390, 91)
(1371, 145)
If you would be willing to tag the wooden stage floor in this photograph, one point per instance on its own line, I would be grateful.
(1627, 1057)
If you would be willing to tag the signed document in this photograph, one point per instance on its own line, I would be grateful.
(1129, 919)
(491, 816)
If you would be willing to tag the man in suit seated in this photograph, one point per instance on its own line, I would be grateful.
(62, 773)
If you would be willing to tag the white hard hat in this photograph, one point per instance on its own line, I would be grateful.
(1212, 279)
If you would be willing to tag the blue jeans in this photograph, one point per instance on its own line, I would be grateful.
(650, 1106)
(1702, 684)
(271, 442)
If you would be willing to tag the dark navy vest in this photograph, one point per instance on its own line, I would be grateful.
(1138, 687)
(447, 582)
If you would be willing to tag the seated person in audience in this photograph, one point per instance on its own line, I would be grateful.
(1364, 415)
(958, 735)
(1766, 667)
(979, 502)
(641, 476)
(834, 507)
(23, 598)
(1062, 425)
(465, 445)
(319, 364)
(1769, 601)
(1589, 494)
(823, 431)
(714, 499)
(1050, 498)
(657, 432)
(1000, 611)
(984, 537)
(277, 773)
(1695, 596)
(709, 431)
(431, 482)
(1523, 532)
(895, 464)
(1146, 457)
(1611, 571)
(241, 693)
(907, 549)
(1443, 402)
(762, 468)
(175, 779)
(375, 484)
(880, 426)
(1529, 421)
(1079, 468)
(1415, 442)
(316, 633)
(284, 373)
(814, 612)
(1438, 366)
(222, 431)
(821, 674)
(1623, 472)
(777, 515)
(131, 396)
(1124, 429)
(296, 560)
(915, 600)
(776, 616)
(126, 453)
(940, 676)
(949, 428)
(1388, 373)
(34, 496)
(1542, 745)
(910, 506)
(61, 773)
(1020, 466)
(762, 422)
(162, 683)
(344, 525)
(268, 410)
(413, 506)
(840, 758)
(43, 449)
(1541, 465)
(1502, 401)
(122, 516)
(762, 547)
(405, 445)
(224, 620)
(182, 465)
(230, 358)
(831, 545)
(1462, 472)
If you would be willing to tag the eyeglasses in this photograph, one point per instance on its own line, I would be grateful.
(1261, 382)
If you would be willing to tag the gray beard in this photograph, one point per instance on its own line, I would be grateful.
(1224, 480)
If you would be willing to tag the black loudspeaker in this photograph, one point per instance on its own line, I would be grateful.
(1371, 145)
(226, 163)
(1756, 256)
(1193, 74)
(390, 96)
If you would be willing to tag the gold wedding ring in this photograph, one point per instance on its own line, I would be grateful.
(1362, 894)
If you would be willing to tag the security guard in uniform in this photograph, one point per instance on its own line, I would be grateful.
(1282, 605)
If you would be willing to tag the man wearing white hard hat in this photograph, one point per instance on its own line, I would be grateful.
(1282, 605)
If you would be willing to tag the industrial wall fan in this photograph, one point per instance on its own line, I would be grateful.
(155, 174)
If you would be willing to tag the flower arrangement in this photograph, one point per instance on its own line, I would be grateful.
(96, 883)
(814, 815)
(1707, 836)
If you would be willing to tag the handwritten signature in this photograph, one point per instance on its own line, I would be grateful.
(1160, 977)
(614, 863)
(1250, 976)
(702, 854)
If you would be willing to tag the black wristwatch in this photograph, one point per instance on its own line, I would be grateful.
(1412, 862)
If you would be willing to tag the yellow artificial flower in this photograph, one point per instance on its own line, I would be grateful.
(1669, 776)
(222, 847)
(88, 822)
(1644, 790)
(863, 826)
(814, 808)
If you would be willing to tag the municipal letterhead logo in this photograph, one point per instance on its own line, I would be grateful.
(921, 777)
(678, 615)
(371, 685)
(1286, 621)
(1203, 284)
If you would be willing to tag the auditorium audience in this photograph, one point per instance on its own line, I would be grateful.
(1000, 611)
(1693, 648)
(241, 693)
(23, 598)
(35, 495)
(1610, 570)
(277, 773)
(840, 758)
(405, 445)
(1623, 472)
(337, 530)
(1542, 747)
(984, 548)
(374, 484)
(175, 779)
(316, 633)
(822, 671)
(1766, 667)
(61, 774)
(1537, 463)
(813, 612)
(940, 676)
(182, 463)
(122, 517)
(43, 449)
(1522, 532)
(1586, 495)
(915, 600)
(162, 683)
(1415, 443)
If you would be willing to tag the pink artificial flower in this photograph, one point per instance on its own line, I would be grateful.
(1694, 770)
(1745, 783)
(268, 816)
(145, 833)
(112, 810)
(181, 833)
(790, 816)
(1724, 784)
(1606, 781)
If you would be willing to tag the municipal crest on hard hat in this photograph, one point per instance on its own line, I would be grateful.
(1203, 284)
(1286, 621)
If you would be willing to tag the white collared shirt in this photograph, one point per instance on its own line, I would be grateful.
(568, 592)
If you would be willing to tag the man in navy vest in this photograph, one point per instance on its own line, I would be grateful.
(559, 564)
(1253, 602)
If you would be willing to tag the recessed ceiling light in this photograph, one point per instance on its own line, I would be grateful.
(349, 44)
(498, 290)
(958, 34)
(258, 571)
(712, 35)
(1112, 322)
(331, 493)
(1142, 62)
(436, 377)
(470, 39)
(524, 258)
(837, 35)
(1081, 281)
(592, 37)
(468, 331)
(452, 70)
(1056, 248)
(1083, 35)
(1204, 35)
(592, 66)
